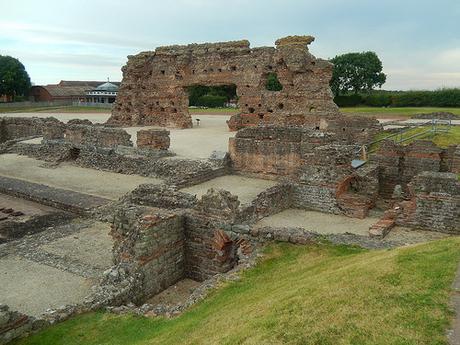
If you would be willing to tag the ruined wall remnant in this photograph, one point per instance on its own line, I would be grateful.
(99, 136)
(434, 204)
(154, 86)
(399, 164)
(157, 139)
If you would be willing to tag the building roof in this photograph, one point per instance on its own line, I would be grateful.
(107, 87)
(77, 88)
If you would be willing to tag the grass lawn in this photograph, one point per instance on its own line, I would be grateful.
(214, 111)
(395, 112)
(317, 294)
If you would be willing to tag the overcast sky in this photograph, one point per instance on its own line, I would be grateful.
(418, 41)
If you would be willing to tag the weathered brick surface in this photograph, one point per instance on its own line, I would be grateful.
(157, 139)
(152, 243)
(153, 89)
(13, 324)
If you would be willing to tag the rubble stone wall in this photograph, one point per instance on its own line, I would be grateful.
(14, 325)
(154, 86)
(21, 127)
(84, 135)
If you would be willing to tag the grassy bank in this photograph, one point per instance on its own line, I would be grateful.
(316, 294)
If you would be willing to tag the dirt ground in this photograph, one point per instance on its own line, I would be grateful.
(323, 223)
(89, 181)
(55, 267)
(175, 294)
(246, 188)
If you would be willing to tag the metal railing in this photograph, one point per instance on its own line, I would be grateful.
(434, 126)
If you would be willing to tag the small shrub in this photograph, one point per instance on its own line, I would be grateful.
(273, 84)
(348, 101)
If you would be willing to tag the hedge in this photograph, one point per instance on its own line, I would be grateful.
(437, 98)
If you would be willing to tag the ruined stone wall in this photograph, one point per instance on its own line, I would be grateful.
(153, 89)
(399, 164)
(21, 127)
(14, 325)
(434, 203)
(151, 243)
(84, 135)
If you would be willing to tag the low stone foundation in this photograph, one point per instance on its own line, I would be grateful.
(84, 135)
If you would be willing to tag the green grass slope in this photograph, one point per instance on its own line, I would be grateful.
(317, 294)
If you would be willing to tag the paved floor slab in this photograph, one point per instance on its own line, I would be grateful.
(246, 188)
(66, 176)
(31, 288)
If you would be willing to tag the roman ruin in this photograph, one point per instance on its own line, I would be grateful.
(114, 213)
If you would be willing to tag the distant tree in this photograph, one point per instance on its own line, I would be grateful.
(356, 72)
(14, 80)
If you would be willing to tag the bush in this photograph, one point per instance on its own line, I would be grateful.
(273, 84)
(378, 99)
(348, 101)
(211, 101)
(437, 98)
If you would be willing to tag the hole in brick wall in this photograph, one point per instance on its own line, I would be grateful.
(311, 109)
(246, 105)
(362, 130)
(212, 96)
(74, 153)
(157, 103)
(233, 68)
(270, 110)
(280, 105)
(259, 105)
(172, 102)
(255, 66)
(193, 71)
(247, 85)
(251, 110)
(211, 70)
(343, 129)
(162, 71)
(174, 110)
(270, 67)
(313, 63)
(150, 73)
(220, 69)
(261, 116)
(317, 128)
(162, 109)
(205, 70)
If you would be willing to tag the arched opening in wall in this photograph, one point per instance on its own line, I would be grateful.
(212, 96)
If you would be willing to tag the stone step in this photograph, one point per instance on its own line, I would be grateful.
(59, 198)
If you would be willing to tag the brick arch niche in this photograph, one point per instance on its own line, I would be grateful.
(154, 86)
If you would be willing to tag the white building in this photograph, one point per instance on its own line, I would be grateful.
(104, 93)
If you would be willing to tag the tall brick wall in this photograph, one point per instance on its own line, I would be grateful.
(154, 86)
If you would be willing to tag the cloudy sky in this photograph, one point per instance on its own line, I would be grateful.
(417, 40)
